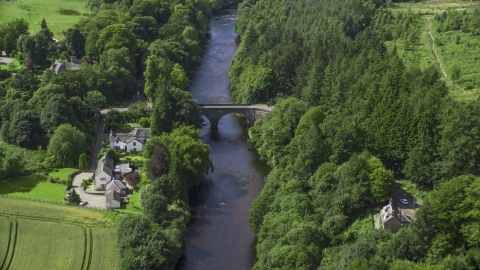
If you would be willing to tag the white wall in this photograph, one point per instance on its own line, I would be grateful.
(98, 182)
(138, 146)
(113, 204)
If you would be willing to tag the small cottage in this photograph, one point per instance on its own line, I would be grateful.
(392, 218)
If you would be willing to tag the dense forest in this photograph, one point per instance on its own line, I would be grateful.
(49, 120)
(350, 117)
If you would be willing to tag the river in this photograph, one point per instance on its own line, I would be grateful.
(219, 236)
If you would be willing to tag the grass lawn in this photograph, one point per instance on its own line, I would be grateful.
(62, 173)
(133, 205)
(57, 236)
(33, 11)
(33, 186)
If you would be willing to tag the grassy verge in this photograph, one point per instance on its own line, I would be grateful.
(34, 11)
(33, 186)
(412, 190)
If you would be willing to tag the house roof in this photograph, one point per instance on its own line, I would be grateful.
(113, 195)
(115, 185)
(140, 134)
(61, 67)
(105, 164)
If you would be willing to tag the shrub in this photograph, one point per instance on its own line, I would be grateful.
(51, 179)
(69, 183)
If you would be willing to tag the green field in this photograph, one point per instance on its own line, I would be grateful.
(4, 238)
(48, 9)
(64, 241)
(33, 186)
(55, 237)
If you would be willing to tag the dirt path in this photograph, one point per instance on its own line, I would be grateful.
(434, 50)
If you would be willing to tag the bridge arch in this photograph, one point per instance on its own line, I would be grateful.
(215, 112)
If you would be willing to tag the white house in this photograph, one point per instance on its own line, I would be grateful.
(133, 141)
(104, 172)
(113, 199)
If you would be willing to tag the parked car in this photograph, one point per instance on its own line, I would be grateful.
(404, 201)
(82, 203)
(69, 192)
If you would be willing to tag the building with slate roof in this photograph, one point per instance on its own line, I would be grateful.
(392, 219)
(118, 186)
(61, 67)
(104, 172)
(132, 141)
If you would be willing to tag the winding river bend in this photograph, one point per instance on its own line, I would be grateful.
(219, 236)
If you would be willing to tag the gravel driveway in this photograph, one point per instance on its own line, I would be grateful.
(97, 201)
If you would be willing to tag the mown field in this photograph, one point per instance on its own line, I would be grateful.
(34, 11)
(55, 236)
(454, 47)
(33, 186)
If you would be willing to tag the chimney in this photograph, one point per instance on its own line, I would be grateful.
(111, 133)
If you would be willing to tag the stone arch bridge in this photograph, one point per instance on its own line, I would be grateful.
(215, 112)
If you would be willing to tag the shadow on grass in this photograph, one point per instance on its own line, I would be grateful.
(22, 184)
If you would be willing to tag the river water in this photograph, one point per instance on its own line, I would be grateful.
(219, 236)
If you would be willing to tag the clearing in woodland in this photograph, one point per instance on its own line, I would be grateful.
(440, 34)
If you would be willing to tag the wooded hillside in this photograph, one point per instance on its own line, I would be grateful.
(351, 115)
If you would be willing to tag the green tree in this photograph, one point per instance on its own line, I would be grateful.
(158, 164)
(25, 130)
(75, 42)
(116, 36)
(82, 161)
(66, 145)
(455, 72)
(13, 164)
(74, 197)
(95, 101)
(57, 111)
(26, 82)
(120, 57)
(381, 180)
(172, 109)
(179, 77)
(277, 130)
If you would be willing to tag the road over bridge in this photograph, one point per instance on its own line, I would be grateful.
(215, 112)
